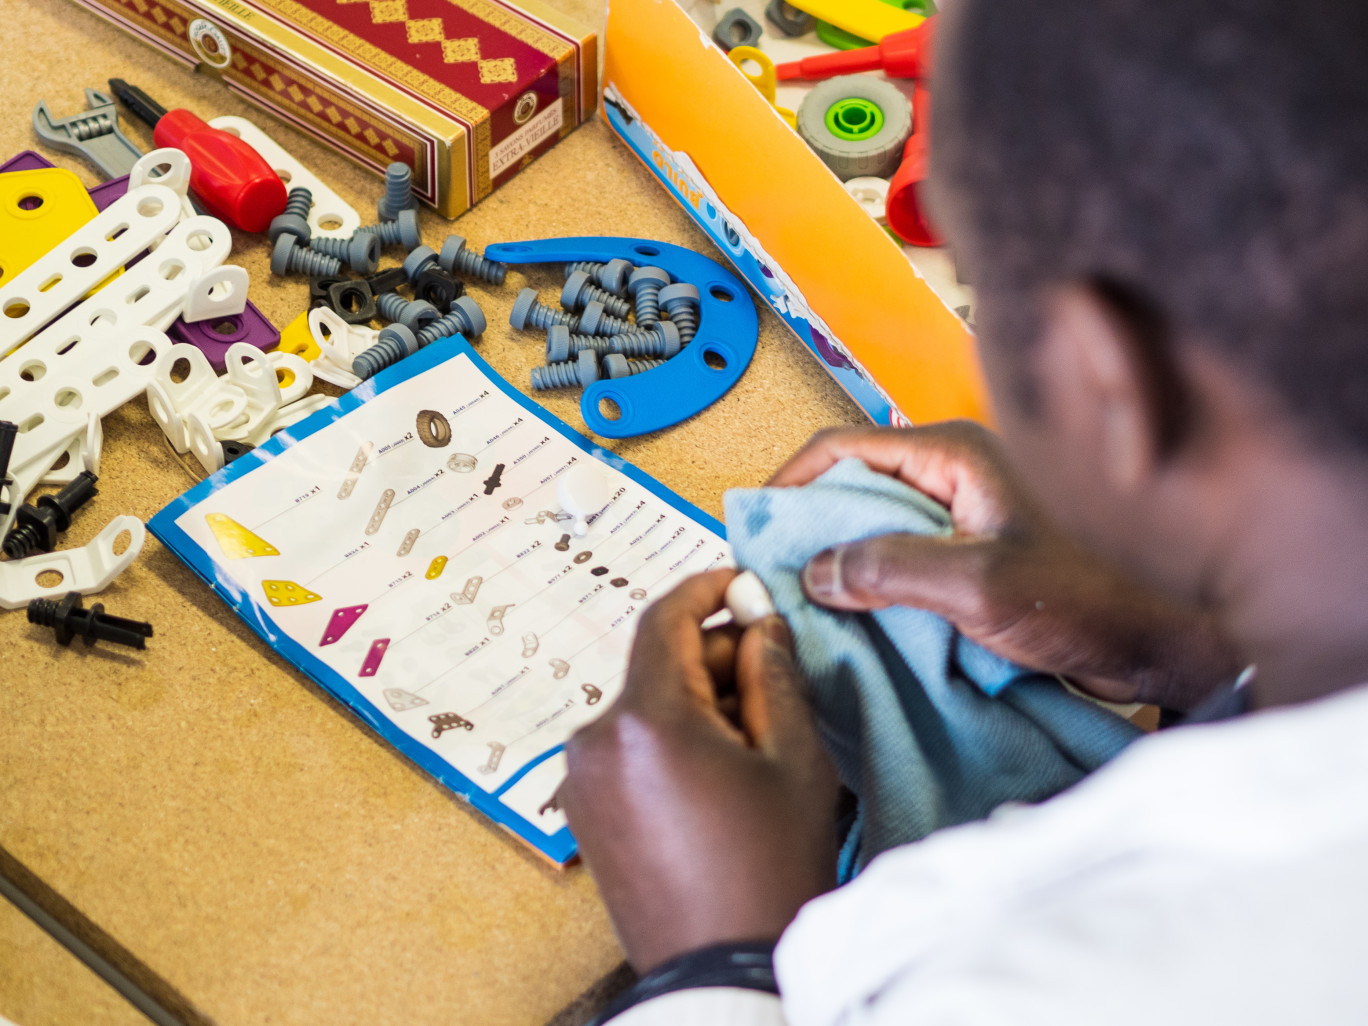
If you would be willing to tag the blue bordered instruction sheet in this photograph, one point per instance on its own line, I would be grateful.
(404, 547)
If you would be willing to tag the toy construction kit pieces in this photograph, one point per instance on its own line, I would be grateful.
(476, 637)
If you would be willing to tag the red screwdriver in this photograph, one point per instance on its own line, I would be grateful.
(897, 55)
(232, 181)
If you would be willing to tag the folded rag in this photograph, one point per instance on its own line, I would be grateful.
(927, 728)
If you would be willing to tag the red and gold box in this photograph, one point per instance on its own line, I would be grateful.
(466, 92)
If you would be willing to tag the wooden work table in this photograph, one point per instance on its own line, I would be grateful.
(227, 833)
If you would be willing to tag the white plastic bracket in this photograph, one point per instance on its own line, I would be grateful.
(82, 260)
(87, 570)
(167, 166)
(339, 344)
(330, 215)
(222, 292)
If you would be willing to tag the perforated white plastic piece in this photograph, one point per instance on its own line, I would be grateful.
(222, 292)
(330, 215)
(339, 344)
(87, 570)
(872, 196)
(582, 493)
(748, 599)
(167, 166)
(82, 260)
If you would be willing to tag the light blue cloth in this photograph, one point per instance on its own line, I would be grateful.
(927, 728)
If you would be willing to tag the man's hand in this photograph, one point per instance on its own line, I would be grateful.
(1007, 577)
(702, 827)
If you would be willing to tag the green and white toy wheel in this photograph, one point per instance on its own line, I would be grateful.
(857, 124)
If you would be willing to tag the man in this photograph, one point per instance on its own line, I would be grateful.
(1164, 207)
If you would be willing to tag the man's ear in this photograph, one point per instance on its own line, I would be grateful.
(1104, 372)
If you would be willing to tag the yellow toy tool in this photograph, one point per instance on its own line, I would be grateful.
(765, 81)
(868, 19)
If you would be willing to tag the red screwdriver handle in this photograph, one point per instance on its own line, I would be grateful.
(231, 180)
(899, 55)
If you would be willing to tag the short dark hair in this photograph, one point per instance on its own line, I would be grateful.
(1207, 157)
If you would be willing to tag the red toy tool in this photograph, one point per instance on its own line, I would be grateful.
(229, 178)
(900, 55)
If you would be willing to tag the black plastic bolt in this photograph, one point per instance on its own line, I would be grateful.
(294, 220)
(69, 619)
(36, 526)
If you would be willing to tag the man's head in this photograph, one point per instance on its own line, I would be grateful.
(1163, 205)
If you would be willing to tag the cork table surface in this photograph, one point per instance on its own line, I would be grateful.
(223, 830)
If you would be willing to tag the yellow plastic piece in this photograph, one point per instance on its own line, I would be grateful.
(235, 540)
(287, 593)
(54, 204)
(296, 338)
(436, 567)
(765, 82)
(868, 19)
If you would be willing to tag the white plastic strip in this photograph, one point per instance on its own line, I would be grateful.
(86, 570)
(331, 215)
(82, 260)
(222, 292)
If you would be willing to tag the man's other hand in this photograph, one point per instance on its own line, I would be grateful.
(702, 800)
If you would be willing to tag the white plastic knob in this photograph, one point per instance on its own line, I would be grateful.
(582, 493)
(748, 599)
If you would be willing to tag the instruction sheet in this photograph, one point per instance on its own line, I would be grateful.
(407, 549)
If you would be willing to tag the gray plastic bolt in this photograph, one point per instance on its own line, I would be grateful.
(681, 303)
(562, 346)
(662, 341)
(595, 320)
(395, 343)
(412, 315)
(418, 261)
(644, 287)
(614, 274)
(618, 366)
(403, 231)
(295, 217)
(465, 317)
(289, 257)
(580, 374)
(527, 311)
(361, 252)
(589, 267)
(458, 257)
(579, 292)
(398, 192)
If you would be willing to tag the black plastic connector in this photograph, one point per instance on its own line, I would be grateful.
(387, 280)
(69, 619)
(8, 432)
(439, 288)
(36, 526)
(352, 300)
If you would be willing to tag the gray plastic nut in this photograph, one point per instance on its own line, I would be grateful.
(527, 311)
(877, 153)
(595, 320)
(412, 315)
(458, 257)
(288, 257)
(402, 231)
(294, 219)
(788, 19)
(395, 343)
(398, 192)
(361, 252)
(618, 366)
(418, 261)
(644, 287)
(737, 28)
(579, 292)
(580, 374)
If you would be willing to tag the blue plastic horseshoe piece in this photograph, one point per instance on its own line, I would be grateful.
(700, 373)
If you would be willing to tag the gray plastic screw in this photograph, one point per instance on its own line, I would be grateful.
(457, 257)
(614, 274)
(662, 341)
(465, 317)
(562, 346)
(289, 257)
(580, 374)
(618, 366)
(644, 287)
(398, 192)
(412, 315)
(418, 261)
(527, 311)
(395, 343)
(295, 217)
(361, 252)
(579, 292)
(589, 267)
(681, 303)
(595, 320)
(403, 231)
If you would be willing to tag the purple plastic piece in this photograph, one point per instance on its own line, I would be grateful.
(250, 326)
(341, 622)
(377, 652)
(26, 160)
(107, 192)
